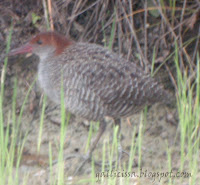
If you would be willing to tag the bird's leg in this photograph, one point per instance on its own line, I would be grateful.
(93, 146)
(99, 134)
(117, 122)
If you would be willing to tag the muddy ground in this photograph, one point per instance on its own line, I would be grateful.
(161, 129)
(158, 133)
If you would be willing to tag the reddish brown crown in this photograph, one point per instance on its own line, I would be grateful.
(51, 38)
(58, 41)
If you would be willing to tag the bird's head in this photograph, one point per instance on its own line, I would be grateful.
(44, 45)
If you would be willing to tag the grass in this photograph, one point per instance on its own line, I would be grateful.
(188, 98)
(11, 150)
(188, 110)
(189, 114)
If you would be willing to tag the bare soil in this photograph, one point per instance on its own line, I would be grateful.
(161, 129)
(159, 133)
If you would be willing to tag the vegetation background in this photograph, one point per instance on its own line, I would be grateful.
(160, 36)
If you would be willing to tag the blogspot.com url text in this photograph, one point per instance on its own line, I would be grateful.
(154, 176)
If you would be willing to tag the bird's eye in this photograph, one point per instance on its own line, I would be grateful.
(39, 42)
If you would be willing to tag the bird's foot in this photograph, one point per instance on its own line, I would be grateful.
(121, 151)
(86, 158)
(83, 159)
(116, 162)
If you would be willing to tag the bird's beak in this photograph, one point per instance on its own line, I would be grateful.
(27, 48)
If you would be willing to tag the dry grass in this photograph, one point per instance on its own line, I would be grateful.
(144, 32)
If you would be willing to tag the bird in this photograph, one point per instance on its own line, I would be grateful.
(97, 83)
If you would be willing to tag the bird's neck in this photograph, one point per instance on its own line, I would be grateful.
(46, 56)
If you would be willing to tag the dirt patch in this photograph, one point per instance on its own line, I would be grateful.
(159, 132)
